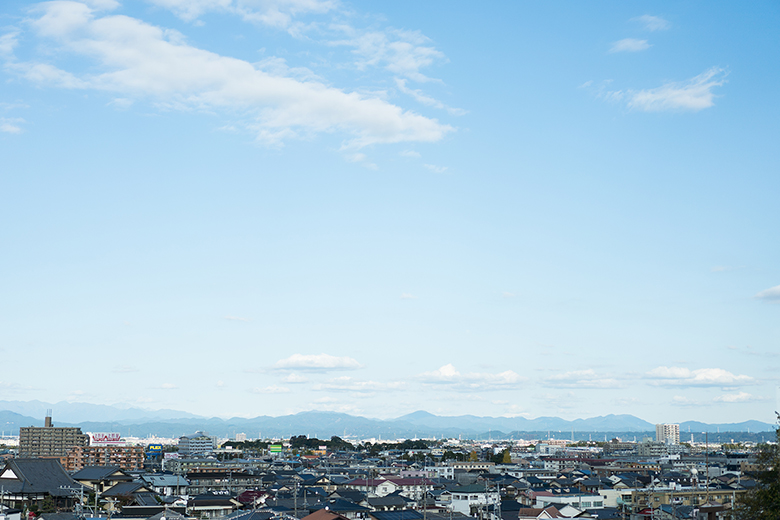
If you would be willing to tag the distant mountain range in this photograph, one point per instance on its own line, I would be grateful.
(139, 422)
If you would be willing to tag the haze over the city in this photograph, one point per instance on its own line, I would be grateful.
(244, 208)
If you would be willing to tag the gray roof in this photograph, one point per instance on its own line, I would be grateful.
(165, 480)
(38, 476)
(404, 514)
(125, 489)
(100, 473)
(167, 515)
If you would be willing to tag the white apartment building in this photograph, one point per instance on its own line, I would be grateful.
(667, 433)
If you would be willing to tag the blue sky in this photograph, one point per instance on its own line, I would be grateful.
(246, 207)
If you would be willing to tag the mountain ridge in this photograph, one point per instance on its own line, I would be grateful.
(138, 422)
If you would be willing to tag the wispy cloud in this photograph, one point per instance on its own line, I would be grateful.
(167, 386)
(361, 159)
(771, 295)
(138, 60)
(473, 381)
(294, 378)
(348, 384)
(11, 126)
(740, 397)
(401, 52)
(629, 45)
(8, 42)
(679, 376)
(318, 362)
(273, 389)
(583, 379)
(275, 13)
(680, 400)
(693, 95)
(436, 169)
(652, 23)
(408, 296)
(410, 153)
(420, 97)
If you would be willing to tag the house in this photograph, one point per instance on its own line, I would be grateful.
(167, 485)
(538, 513)
(466, 499)
(100, 478)
(29, 482)
(212, 505)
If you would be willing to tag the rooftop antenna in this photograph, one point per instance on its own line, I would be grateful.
(47, 422)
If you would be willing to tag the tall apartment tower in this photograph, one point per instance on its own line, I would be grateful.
(49, 441)
(667, 433)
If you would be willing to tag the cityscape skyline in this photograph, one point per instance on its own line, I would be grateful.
(239, 208)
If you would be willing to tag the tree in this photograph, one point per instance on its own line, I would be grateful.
(763, 501)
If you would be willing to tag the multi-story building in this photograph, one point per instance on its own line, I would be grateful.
(197, 444)
(125, 457)
(667, 433)
(49, 441)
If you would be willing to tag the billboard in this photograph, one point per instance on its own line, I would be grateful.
(156, 448)
(275, 448)
(103, 439)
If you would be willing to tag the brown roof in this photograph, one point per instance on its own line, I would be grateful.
(324, 514)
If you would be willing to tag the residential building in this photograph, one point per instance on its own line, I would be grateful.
(125, 457)
(197, 444)
(49, 441)
(667, 433)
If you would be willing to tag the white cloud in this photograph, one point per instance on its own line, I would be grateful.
(629, 45)
(679, 400)
(449, 375)
(401, 52)
(274, 13)
(694, 94)
(652, 23)
(330, 404)
(318, 362)
(138, 60)
(361, 159)
(237, 318)
(295, 378)
(771, 295)
(410, 153)
(427, 100)
(8, 43)
(10, 126)
(348, 384)
(121, 103)
(740, 397)
(583, 379)
(168, 386)
(273, 389)
(678, 376)
(436, 169)
(408, 296)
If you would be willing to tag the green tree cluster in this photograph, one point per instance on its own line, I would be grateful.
(763, 501)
